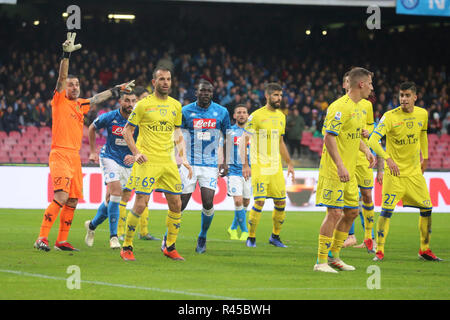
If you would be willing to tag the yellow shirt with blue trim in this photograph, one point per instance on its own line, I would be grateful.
(157, 120)
(266, 127)
(404, 135)
(367, 111)
(345, 120)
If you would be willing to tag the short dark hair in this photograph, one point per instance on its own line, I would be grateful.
(124, 93)
(72, 76)
(139, 90)
(355, 74)
(239, 106)
(273, 86)
(408, 85)
(160, 68)
(204, 82)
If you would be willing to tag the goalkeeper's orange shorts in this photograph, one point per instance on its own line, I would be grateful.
(65, 170)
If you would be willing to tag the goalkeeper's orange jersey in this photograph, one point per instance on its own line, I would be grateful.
(68, 121)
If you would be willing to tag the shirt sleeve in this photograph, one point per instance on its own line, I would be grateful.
(226, 124)
(283, 125)
(383, 126)
(369, 118)
(85, 105)
(58, 97)
(101, 121)
(136, 115)
(335, 119)
(179, 116)
(379, 132)
(184, 124)
(424, 137)
(251, 126)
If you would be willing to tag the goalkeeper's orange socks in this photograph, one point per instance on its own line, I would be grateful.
(65, 222)
(425, 229)
(50, 215)
(383, 223)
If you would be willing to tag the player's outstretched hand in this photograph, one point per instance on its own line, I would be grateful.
(69, 45)
(128, 160)
(140, 158)
(93, 157)
(188, 166)
(126, 87)
(393, 167)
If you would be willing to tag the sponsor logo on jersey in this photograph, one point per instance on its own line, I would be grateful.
(117, 130)
(205, 123)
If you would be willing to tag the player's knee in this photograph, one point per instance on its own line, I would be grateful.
(351, 213)
(126, 195)
(61, 197)
(366, 197)
(334, 214)
(175, 205)
(72, 202)
(246, 202)
(238, 202)
(208, 204)
(260, 203)
(280, 204)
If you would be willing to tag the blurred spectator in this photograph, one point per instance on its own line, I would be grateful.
(24, 114)
(41, 115)
(446, 124)
(10, 120)
(294, 130)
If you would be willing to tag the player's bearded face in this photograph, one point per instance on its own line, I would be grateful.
(72, 88)
(163, 82)
(127, 103)
(274, 99)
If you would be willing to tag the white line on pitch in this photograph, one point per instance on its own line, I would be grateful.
(117, 285)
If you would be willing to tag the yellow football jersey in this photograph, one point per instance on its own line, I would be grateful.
(367, 111)
(345, 120)
(403, 134)
(157, 120)
(266, 127)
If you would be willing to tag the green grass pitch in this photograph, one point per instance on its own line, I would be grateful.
(228, 270)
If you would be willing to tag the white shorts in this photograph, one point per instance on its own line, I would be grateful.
(112, 171)
(206, 177)
(238, 186)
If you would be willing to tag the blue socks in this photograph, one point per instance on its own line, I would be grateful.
(207, 217)
(102, 214)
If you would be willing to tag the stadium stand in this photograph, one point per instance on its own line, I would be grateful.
(309, 68)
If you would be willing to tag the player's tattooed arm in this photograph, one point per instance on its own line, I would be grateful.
(62, 76)
(380, 169)
(112, 93)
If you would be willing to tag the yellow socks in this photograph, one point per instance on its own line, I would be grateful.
(173, 223)
(278, 216)
(425, 229)
(253, 220)
(143, 223)
(122, 218)
(383, 228)
(132, 221)
(338, 241)
(324, 247)
(368, 213)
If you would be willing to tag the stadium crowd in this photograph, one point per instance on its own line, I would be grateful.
(309, 70)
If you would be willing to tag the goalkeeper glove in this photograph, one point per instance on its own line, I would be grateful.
(69, 45)
(124, 87)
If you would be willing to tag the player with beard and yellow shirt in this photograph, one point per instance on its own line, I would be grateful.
(266, 127)
(405, 128)
(337, 188)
